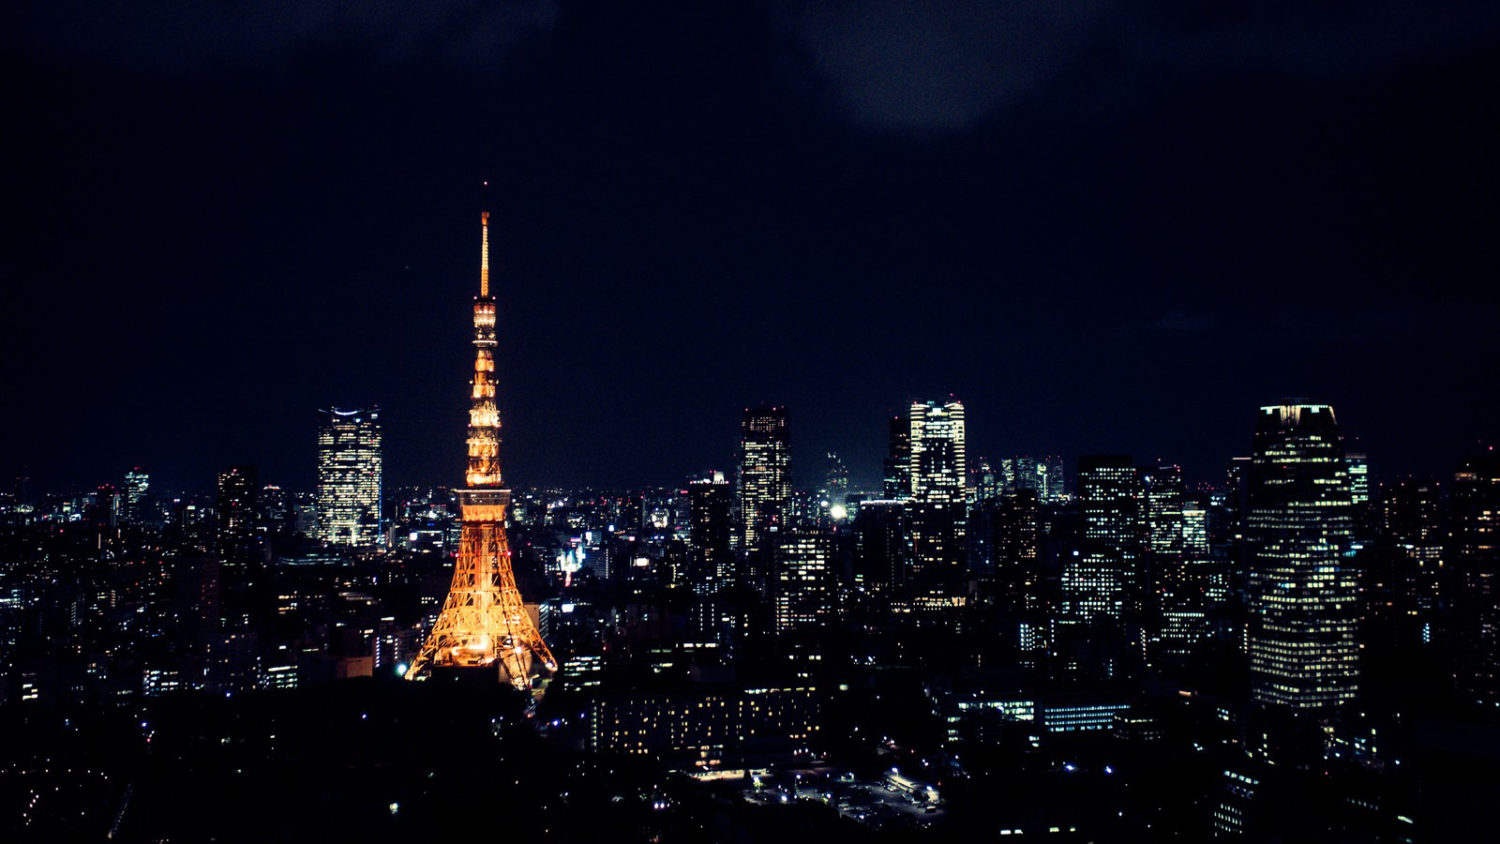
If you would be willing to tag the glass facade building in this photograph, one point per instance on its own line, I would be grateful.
(765, 486)
(349, 477)
(939, 483)
(1304, 655)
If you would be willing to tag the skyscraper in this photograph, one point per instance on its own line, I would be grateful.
(1413, 519)
(987, 483)
(710, 562)
(1180, 566)
(1476, 563)
(1163, 493)
(1018, 573)
(137, 481)
(765, 482)
(804, 581)
(836, 480)
(939, 479)
(897, 475)
(237, 510)
(1359, 478)
(349, 476)
(1104, 576)
(882, 554)
(1302, 588)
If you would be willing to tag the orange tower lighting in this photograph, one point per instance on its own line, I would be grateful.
(483, 622)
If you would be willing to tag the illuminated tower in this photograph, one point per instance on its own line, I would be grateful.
(137, 481)
(1476, 562)
(1303, 650)
(804, 584)
(898, 462)
(711, 563)
(483, 623)
(237, 540)
(349, 472)
(1104, 577)
(939, 481)
(765, 483)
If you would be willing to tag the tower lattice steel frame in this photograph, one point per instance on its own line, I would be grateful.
(483, 622)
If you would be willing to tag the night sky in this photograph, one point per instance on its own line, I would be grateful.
(1104, 226)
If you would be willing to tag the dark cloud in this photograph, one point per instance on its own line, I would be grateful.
(941, 64)
(945, 64)
(180, 35)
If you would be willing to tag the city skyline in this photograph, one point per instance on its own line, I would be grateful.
(1117, 250)
(917, 421)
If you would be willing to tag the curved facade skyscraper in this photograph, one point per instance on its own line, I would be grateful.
(1304, 654)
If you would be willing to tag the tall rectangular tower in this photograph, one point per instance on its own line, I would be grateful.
(238, 501)
(711, 564)
(939, 483)
(803, 581)
(765, 482)
(897, 475)
(137, 482)
(1302, 588)
(1104, 577)
(1476, 563)
(349, 476)
(939, 466)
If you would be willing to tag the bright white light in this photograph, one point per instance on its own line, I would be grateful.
(400, 669)
(839, 512)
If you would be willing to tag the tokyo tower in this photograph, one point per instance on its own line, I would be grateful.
(483, 623)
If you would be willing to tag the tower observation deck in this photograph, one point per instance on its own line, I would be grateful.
(484, 623)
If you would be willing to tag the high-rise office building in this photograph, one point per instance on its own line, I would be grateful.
(939, 483)
(939, 469)
(1180, 567)
(710, 561)
(137, 482)
(109, 505)
(1359, 478)
(1365, 515)
(1195, 543)
(1413, 518)
(1163, 493)
(1476, 564)
(1302, 588)
(835, 480)
(1103, 577)
(803, 580)
(897, 475)
(1018, 571)
(882, 554)
(238, 493)
(349, 476)
(765, 484)
(1054, 487)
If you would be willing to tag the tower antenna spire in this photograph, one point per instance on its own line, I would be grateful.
(484, 246)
